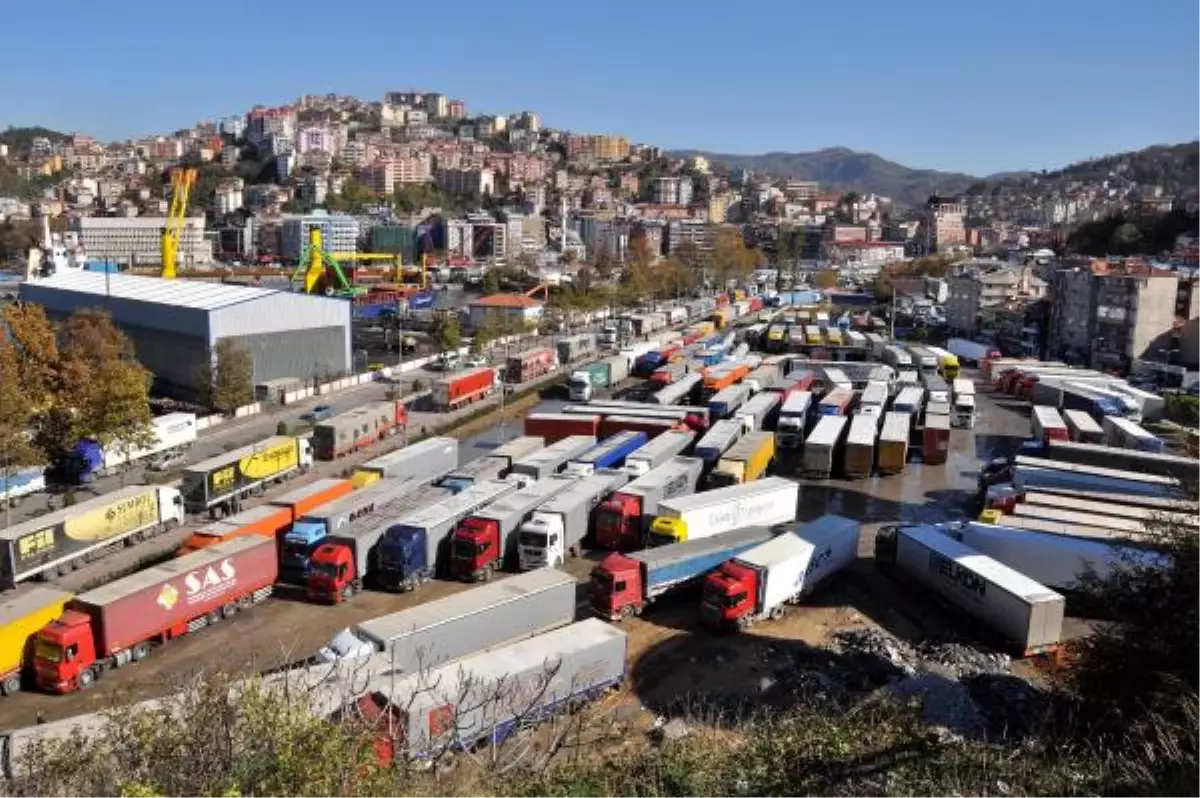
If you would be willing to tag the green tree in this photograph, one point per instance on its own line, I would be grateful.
(446, 332)
(1125, 238)
(227, 383)
(827, 279)
(491, 282)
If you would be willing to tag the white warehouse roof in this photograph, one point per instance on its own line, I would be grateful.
(211, 310)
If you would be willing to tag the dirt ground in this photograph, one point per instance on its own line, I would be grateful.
(670, 657)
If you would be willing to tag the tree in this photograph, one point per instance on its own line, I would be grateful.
(16, 413)
(731, 258)
(603, 263)
(1125, 238)
(227, 383)
(491, 282)
(446, 332)
(638, 277)
(35, 343)
(827, 279)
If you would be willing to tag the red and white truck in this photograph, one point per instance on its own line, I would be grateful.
(358, 428)
(463, 388)
(117, 624)
(761, 582)
(530, 365)
(622, 519)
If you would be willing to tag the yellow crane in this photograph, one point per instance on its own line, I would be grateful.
(315, 260)
(182, 181)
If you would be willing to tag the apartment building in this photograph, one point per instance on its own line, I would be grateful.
(987, 285)
(681, 232)
(944, 223)
(138, 241)
(472, 182)
(386, 175)
(600, 148)
(339, 233)
(262, 123)
(673, 190)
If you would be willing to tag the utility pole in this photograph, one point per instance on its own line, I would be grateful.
(892, 316)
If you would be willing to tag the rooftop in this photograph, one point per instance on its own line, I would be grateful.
(506, 301)
(189, 294)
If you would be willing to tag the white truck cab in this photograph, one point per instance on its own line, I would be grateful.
(540, 544)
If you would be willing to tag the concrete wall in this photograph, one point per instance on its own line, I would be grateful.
(297, 353)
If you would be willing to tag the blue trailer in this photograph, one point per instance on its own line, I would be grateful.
(609, 453)
(624, 584)
(645, 365)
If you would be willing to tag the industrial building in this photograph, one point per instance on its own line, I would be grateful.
(138, 241)
(175, 324)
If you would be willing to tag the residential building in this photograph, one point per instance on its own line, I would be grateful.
(865, 254)
(600, 148)
(472, 182)
(505, 311)
(339, 233)
(987, 285)
(719, 204)
(802, 190)
(673, 190)
(456, 109)
(437, 106)
(318, 138)
(138, 241)
(944, 224)
(387, 174)
(264, 122)
(228, 197)
(681, 232)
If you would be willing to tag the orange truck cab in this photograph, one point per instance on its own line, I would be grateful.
(64, 654)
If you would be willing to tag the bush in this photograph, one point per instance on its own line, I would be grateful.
(281, 428)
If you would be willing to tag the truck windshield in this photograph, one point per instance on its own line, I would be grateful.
(467, 548)
(607, 523)
(602, 578)
(535, 539)
(324, 570)
(295, 550)
(719, 598)
(50, 652)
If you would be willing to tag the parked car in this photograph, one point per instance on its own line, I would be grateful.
(476, 361)
(318, 414)
(166, 461)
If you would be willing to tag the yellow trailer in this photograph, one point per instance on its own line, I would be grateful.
(23, 613)
(746, 461)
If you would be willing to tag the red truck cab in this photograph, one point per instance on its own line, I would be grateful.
(475, 549)
(332, 574)
(64, 652)
(619, 522)
(616, 590)
(728, 597)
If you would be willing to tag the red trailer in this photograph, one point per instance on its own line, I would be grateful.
(556, 426)
(463, 388)
(530, 365)
(115, 625)
(358, 428)
(756, 304)
(935, 440)
(653, 427)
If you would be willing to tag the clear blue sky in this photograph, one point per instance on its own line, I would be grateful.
(971, 86)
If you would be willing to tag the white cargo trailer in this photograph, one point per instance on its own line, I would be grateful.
(772, 500)
(821, 447)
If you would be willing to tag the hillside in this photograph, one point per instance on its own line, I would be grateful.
(842, 169)
(1171, 166)
(19, 139)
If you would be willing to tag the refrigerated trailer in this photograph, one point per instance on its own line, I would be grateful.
(550, 460)
(1025, 613)
(761, 503)
(425, 460)
(821, 447)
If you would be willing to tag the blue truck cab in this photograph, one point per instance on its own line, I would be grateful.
(84, 461)
(298, 545)
(404, 558)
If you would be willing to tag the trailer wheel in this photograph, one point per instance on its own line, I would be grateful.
(229, 610)
(11, 685)
(213, 617)
(141, 651)
(628, 611)
(347, 592)
(86, 679)
(486, 574)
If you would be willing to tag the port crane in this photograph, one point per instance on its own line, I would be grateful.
(182, 181)
(320, 271)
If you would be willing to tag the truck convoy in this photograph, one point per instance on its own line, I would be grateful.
(432, 456)
(416, 546)
(767, 501)
(311, 529)
(624, 585)
(609, 453)
(486, 540)
(557, 528)
(117, 624)
(658, 451)
(761, 582)
(1026, 614)
(550, 460)
(359, 428)
(453, 627)
(88, 459)
(62, 541)
(23, 613)
(621, 520)
(218, 485)
(746, 461)
(585, 381)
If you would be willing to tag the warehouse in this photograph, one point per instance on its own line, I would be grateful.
(174, 324)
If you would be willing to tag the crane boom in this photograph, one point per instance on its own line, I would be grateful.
(182, 181)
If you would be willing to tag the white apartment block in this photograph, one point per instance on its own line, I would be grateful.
(138, 241)
(339, 233)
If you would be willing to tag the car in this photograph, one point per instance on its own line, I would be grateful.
(166, 461)
(476, 361)
(318, 413)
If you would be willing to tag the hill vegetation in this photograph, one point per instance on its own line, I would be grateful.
(20, 139)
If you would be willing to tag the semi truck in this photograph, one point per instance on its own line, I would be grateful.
(88, 459)
(746, 461)
(311, 529)
(530, 365)
(682, 390)
(450, 628)
(760, 413)
(576, 347)
(658, 451)
(1026, 614)
(481, 469)
(622, 519)
(859, 457)
(1053, 560)
(424, 460)
(359, 428)
(625, 585)
(62, 541)
(23, 613)
(725, 402)
(935, 440)
(971, 351)
(416, 545)
(669, 373)
(520, 447)
(836, 403)
(1171, 465)
(556, 530)
(717, 440)
(761, 503)
(218, 485)
(1082, 427)
(309, 498)
(761, 582)
(608, 453)
(1048, 424)
(553, 427)
(461, 389)
(265, 520)
(341, 563)
(821, 447)
(119, 623)
(551, 459)
(792, 424)
(892, 454)
(486, 541)
(909, 400)
(586, 380)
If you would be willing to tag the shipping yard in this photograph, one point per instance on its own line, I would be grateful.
(733, 478)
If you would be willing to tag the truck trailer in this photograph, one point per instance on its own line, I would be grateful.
(663, 448)
(759, 413)
(425, 460)
(62, 541)
(792, 424)
(118, 624)
(551, 459)
(935, 440)
(359, 428)
(459, 390)
(1026, 614)
(416, 546)
(486, 541)
(682, 390)
(759, 583)
(450, 628)
(624, 585)
(746, 461)
(718, 440)
(586, 380)
(761, 503)
(859, 457)
(265, 520)
(529, 365)
(23, 613)
(892, 454)
(553, 427)
(821, 448)
(576, 347)
(479, 470)
(557, 528)
(218, 485)
(622, 519)
(608, 453)
(88, 459)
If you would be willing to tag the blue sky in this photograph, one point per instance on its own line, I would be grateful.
(966, 86)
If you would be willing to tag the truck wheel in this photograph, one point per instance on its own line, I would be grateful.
(213, 617)
(86, 679)
(628, 611)
(347, 592)
(141, 651)
(11, 685)
(777, 613)
(486, 574)
(229, 610)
